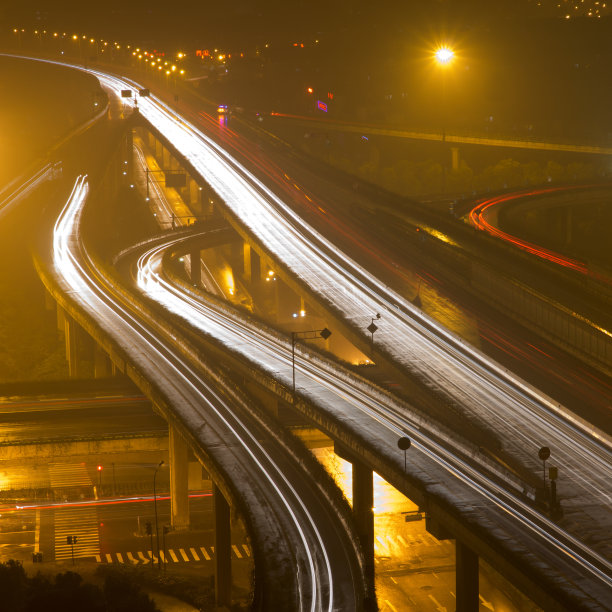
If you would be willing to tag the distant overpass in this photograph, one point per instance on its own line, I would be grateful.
(374, 130)
(40, 427)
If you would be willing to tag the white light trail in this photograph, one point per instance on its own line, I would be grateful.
(138, 341)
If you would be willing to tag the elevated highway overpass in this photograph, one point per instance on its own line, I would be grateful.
(540, 594)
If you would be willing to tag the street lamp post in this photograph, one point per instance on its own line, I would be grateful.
(444, 57)
(313, 334)
(155, 507)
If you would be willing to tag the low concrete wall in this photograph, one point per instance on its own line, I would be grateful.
(60, 449)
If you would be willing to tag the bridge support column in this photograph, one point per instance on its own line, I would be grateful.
(455, 160)
(61, 315)
(363, 504)
(467, 578)
(196, 267)
(246, 261)
(165, 158)
(237, 257)
(223, 548)
(195, 198)
(71, 331)
(102, 363)
(179, 477)
(255, 274)
(159, 149)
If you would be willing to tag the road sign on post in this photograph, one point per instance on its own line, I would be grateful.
(404, 444)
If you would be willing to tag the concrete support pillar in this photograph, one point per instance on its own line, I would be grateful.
(195, 476)
(237, 258)
(455, 159)
(71, 336)
(102, 363)
(60, 319)
(223, 549)
(165, 158)
(467, 578)
(196, 267)
(195, 198)
(246, 261)
(363, 503)
(179, 476)
(255, 274)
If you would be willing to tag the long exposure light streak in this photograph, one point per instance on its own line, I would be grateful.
(317, 588)
(519, 414)
(331, 387)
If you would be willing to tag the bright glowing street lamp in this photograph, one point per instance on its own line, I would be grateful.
(444, 55)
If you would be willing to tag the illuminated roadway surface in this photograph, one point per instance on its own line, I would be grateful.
(314, 557)
(522, 418)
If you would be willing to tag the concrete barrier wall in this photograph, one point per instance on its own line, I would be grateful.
(545, 317)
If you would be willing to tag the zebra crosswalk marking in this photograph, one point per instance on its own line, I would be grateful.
(130, 556)
(179, 555)
(81, 523)
(68, 475)
(142, 557)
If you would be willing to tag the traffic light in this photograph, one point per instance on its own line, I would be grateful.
(148, 528)
(71, 540)
(100, 468)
